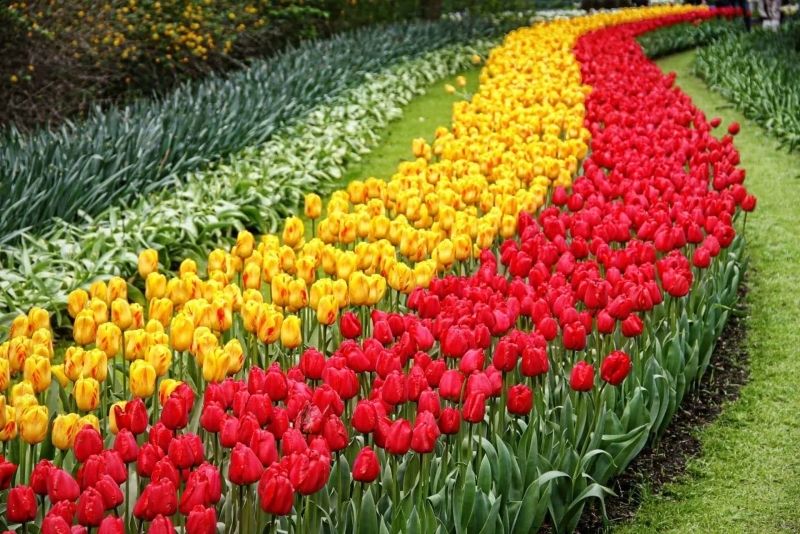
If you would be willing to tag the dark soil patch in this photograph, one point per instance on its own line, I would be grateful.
(666, 461)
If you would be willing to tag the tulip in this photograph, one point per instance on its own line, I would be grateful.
(21, 505)
(313, 206)
(61, 486)
(216, 365)
(33, 424)
(366, 466)
(65, 427)
(350, 325)
(84, 328)
(87, 394)
(148, 262)
(181, 332)
(474, 407)
(37, 372)
(291, 335)
(109, 339)
(91, 507)
(161, 525)
(202, 520)
(309, 471)
(520, 399)
(615, 368)
(582, 377)
(121, 315)
(399, 439)
(275, 491)
(109, 491)
(76, 302)
(87, 442)
(111, 525)
(55, 524)
(245, 467)
(425, 433)
(574, 336)
(143, 378)
(125, 444)
(158, 498)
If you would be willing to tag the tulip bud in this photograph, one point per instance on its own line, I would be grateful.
(148, 262)
(291, 335)
(21, 505)
(84, 328)
(87, 394)
(313, 206)
(37, 372)
(33, 424)
(366, 466)
(76, 302)
(64, 430)
(275, 491)
(142, 378)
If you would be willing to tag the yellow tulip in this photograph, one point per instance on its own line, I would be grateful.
(136, 343)
(148, 262)
(89, 419)
(327, 310)
(250, 315)
(3, 412)
(76, 301)
(154, 326)
(109, 339)
(38, 318)
(95, 365)
(340, 291)
(37, 372)
(160, 310)
(346, 264)
(358, 289)
(143, 379)
(65, 428)
(85, 328)
(313, 206)
(117, 289)
(9, 430)
(222, 314)
(298, 295)
(306, 267)
(58, 372)
(188, 266)
(291, 334)
(19, 327)
(137, 316)
(215, 366)
(235, 354)
(121, 313)
(203, 343)
(287, 257)
(99, 310)
(449, 89)
(160, 357)
(19, 349)
(33, 424)
(269, 323)
(87, 394)
(293, 232)
(74, 359)
(244, 244)
(155, 286)
(251, 276)
(177, 291)
(181, 332)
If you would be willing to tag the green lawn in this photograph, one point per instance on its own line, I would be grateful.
(420, 119)
(748, 476)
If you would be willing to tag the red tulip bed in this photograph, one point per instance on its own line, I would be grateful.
(498, 401)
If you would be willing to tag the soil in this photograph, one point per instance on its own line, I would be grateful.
(666, 461)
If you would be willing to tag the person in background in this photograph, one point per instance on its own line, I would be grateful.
(771, 15)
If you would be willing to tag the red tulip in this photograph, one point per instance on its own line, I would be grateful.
(64, 509)
(366, 466)
(450, 421)
(202, 520)
(133, 417)
(175, 414)
(125, 444)
(472, 361)
(276, 386)
(262, 442)
(632, 326)
(55, 524)
(91, 507)
(39, 476)
(615, 367)
(474, 408)
(7, 471)
(87, 443)
(161, 436)
(398, 441)
(309, 471)
(335, 433)
(364, 417)
(582, 377)
(350, 325)
(158, 498)
(749, 203)
(425, 433)
(574, 336)
(733, 128)
(149, 454)
(275, 491)
(161, 525)
(450, 385)
(110, 492)
(61, 486)
(534, 361)
(111, 525)
(245, 468)
(520, 399)
(21, 505)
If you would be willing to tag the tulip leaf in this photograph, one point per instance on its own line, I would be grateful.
(485, 475)
(368, 515)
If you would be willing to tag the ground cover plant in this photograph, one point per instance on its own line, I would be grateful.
(478, 344)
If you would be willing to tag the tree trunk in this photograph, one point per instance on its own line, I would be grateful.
(431, 9)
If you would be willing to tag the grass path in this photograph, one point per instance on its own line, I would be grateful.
(748, 476)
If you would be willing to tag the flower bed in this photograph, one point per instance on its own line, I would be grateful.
(346, 386)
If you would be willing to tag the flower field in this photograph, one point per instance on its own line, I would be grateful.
(479, 343)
